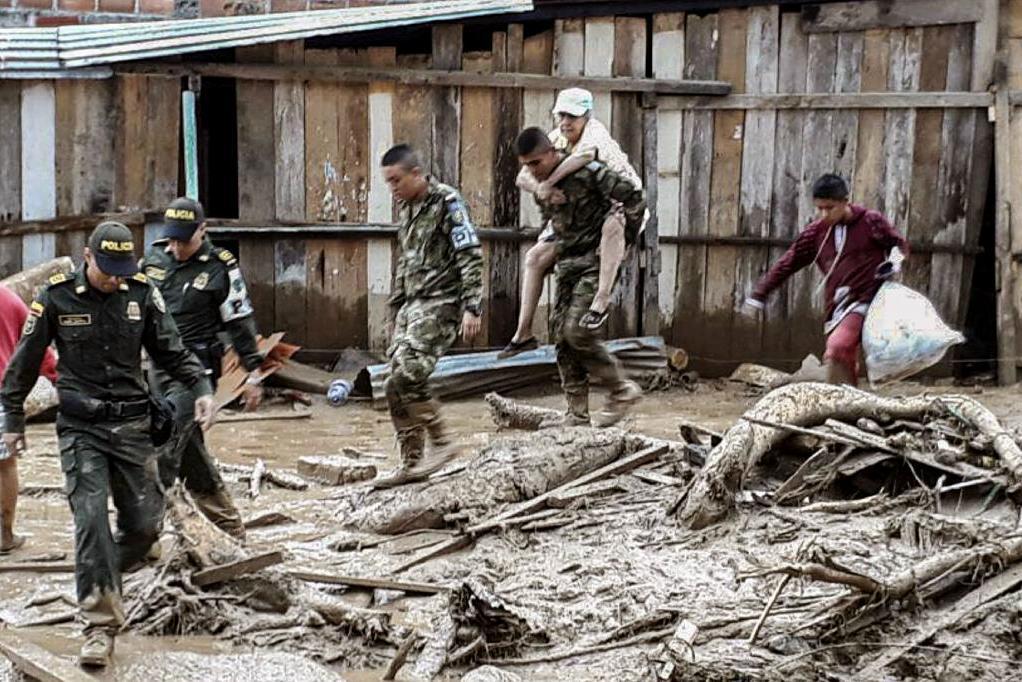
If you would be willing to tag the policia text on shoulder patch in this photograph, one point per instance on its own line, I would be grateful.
(463, 232)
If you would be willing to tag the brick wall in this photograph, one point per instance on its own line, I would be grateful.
(69, 12)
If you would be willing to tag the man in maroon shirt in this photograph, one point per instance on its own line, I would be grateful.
(13, 316)
(849, 244)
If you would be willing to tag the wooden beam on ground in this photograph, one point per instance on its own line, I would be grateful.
(37, 662)
(620, 466)
(375, 583)
(225, 572)
(38, 567)
(438, 78)
(831, 100)
(986, 592)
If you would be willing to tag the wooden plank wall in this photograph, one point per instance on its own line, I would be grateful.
(309, 152)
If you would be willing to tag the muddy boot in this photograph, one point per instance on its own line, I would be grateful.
(97, 649)
(411, 443)
(838, 373)
(620, 403)
(578, 409)
(219, 508)
(441, 446)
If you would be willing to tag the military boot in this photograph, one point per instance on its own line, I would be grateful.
(97, 649)
(441, 447)
(620, 402)
(219, 508)
(411, 443)
(578, 409)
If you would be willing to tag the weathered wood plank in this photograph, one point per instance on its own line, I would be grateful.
(628, 51)
(164, 141)
(720, 289)
(375, 583)
(256, 144)
(335, 280)
(38, 151)
(353, 139)
(694, 208)
(256, 257)
(599, 61)
(289, 136)
(668, 62)
(447, 52)
(788, 178)
(378, 251)
(10, 256)
(1006, 179)
(906, 53)
(858, 16)
(37, 662)
(762, 54)
(870, 163)
(923, 209)
(146, 149)
(290, 288)
(833, 100)
(413, 120)
(10, 151)
(323, 169)
(845, 126)
(236, 569)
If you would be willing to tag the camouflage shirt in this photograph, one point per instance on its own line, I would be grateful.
(206, 294)
(590, 193)
(440, 256)
(99, 344)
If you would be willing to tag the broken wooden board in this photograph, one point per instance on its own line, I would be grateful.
(37, 662)
(261, 416)
(986, 592)
(572, 495)
(870, 440)
(267, 519)
(38, 567)
(375, 583)
(656, 478)
(235, 569)
(335, 469)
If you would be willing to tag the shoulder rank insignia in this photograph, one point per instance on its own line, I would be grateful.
(59, 278)
(139, 277)
(154, 272)
(226, 256)
(36, 308)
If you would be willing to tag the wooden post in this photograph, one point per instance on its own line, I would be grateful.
(649, 322)
(447, 48)
(1006, 368)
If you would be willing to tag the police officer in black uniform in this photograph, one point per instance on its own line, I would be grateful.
(206, 295)
(101, 317)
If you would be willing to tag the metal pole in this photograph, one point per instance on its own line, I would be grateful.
(190, 139)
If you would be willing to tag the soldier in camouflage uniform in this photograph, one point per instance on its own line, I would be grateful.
(438, 284)
(205, 295)
(101, 317)
(590, 194)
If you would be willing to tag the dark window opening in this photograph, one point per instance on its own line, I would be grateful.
(217, 114)
(975, 356)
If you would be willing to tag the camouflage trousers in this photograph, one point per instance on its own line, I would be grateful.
(100, 460)
(423, 331)
(580, 352)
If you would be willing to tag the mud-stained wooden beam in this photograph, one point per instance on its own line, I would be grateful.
(375, 583)
(37, 662)
(224, 572)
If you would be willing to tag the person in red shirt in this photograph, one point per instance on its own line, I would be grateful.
(13, 313)
(849, 244)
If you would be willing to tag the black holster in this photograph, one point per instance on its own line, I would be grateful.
(161, 419)
(211, 356)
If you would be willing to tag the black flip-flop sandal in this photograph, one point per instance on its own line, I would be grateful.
(513, 348)
(593, 320)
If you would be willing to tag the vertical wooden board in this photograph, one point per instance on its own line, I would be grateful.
(537, 57)
(788, 179)
(924, 202)
(503, 302)
(805, 300)
(479, 146)
(289, 277)
(447, 49)
(64, 93)
(38, 151)
(163, 136)
(378, 251)
(353, 142)
(950, 279)
(668, 62)
(10, 256)
(336, 293)
(413, 119)
(289, 137)
(569, 47)
(323, 168)
(10, 152)
(257, 265)
(130, 143)
(847, 78)
(906, 52)
(38, 248)
(629, 59)
(71, 243)
(599, 61)
(94, 162)
(870, 163)
(762, 50)
(256, 144)
(720, 298)
(701, 43)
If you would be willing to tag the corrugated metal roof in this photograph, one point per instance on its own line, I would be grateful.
(49, 52)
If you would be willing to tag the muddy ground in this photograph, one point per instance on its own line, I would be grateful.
(619, 564)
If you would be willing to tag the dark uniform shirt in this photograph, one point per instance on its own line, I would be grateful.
(590, 194)
(440, 254)
(99, 341)
(205, 295)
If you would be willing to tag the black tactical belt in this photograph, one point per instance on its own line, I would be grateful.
(82, 407)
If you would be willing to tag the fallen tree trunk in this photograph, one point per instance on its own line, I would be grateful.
(508, 414)
(508, 470)
(711, 495)
(27, 282)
